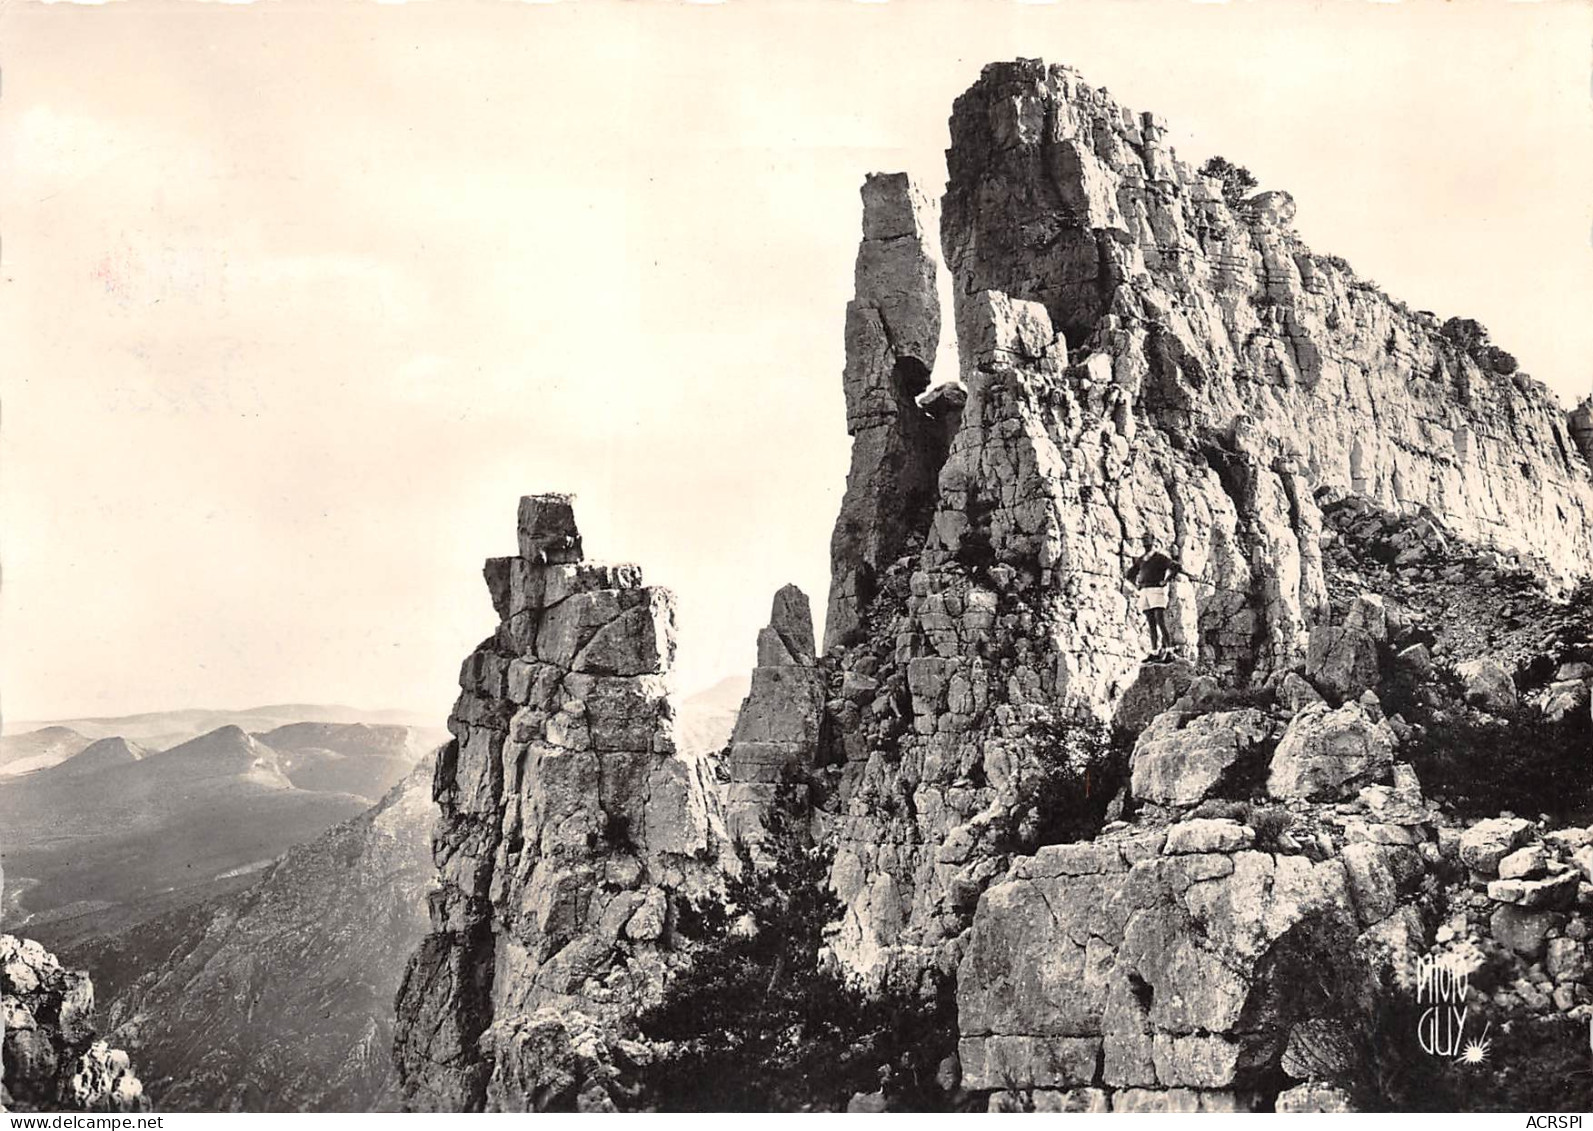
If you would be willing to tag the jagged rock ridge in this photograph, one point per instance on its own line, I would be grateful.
(566, 820)
(1138, 356)
(50, 1058)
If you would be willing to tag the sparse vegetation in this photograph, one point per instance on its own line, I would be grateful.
(1078, 768)
(1270, 822)
(1478, 765)
(1470, 337)
(762, 1023)
(1237, 181)
(1537, 1063)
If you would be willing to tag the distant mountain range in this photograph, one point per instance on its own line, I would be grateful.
(279, 997)
(37, 749)
(245, 910)
(706, 718)
(97, 834)
(25, 741)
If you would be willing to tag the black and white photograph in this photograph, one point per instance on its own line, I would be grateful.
(799, 556)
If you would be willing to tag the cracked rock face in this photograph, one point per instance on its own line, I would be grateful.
(1219, 321)
(1137, 356)
(892, 329)
(565, 816)
(777, 729)
(51, 1059)
(1135, 963)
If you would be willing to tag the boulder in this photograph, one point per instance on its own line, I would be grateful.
(1178, 761)
(1583, 859)
(1566, 960)
(1295, 694)
(1487, 685)
(1207, 835)
(1342, 660)
(1521, 930)
(1415, 662)
(1314, 1098)
(1326, 754)
(1369, 614)
(1155, 689)
(1486, 843)
(1563, 699)
(1556, 891)
(1524, 863)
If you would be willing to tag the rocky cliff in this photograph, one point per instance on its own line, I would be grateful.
(567, 818)
(1155, 886)
(51, 1059)
(1137, 354)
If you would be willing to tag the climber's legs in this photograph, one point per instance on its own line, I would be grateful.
(1153, 599)
(1161, 639)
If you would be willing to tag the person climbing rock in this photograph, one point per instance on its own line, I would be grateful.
(1152, 572)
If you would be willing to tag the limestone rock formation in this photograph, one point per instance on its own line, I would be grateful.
(1137, 356)
(1219, 322)
(892, 330)
(777, 730)
(1132, 963)
(51, 1059)
(566, 819)
(1178, 764)
(1488, 685)
(1325, 753)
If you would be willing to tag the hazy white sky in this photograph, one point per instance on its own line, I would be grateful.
(300, 299)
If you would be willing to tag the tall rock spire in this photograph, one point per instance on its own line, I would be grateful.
(777, 728)
(566, 820)
(892, 331)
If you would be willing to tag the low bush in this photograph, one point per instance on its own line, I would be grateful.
(1236, 179)
(761, 1023)
(1076, 769)
(1478, 766)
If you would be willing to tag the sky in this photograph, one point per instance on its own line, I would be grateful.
(298, 300)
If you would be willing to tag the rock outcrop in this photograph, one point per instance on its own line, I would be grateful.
(1143, 962)
(566, 820)
(1219, 323)
(777, 730)
(50, 1057)
(892, 331)
(1138, 354)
